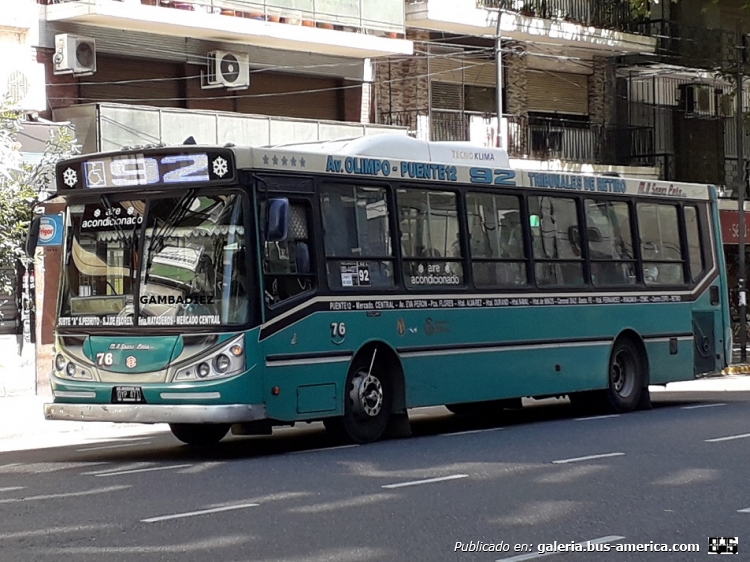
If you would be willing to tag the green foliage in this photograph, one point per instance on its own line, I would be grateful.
(21, 183)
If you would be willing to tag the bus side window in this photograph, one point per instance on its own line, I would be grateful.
(555, 233)
(610, 242)
(693, 231)
(357, 236)
(286, 265)
(497, 250)
(659, 227)
(429, 229)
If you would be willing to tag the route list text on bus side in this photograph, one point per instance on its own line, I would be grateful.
(360, 166)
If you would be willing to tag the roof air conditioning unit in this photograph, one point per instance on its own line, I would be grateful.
(74, 55)
(226, 70)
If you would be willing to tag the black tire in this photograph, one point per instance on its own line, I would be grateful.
(626, 376)
(368, 401)
(199, 434)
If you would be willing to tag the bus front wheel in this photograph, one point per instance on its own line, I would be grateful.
(367, 405)
(626, 376)
(199, 434)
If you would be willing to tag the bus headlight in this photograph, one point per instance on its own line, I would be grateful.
(203, 370)
(70, 369)
(222, 363)
(227, 360)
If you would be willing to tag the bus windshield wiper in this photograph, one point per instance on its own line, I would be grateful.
(157, 242)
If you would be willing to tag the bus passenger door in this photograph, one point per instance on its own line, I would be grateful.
(288, 267)
(708, 314)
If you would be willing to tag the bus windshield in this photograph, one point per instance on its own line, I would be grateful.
(190, 269)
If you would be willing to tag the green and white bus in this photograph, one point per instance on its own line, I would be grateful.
(347, 281)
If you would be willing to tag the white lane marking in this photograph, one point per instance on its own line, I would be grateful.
(702, 406)
(65, 495)
(532, 556)
(588, 458)
(323, 449)
(427, 481)
(119, 439)
(728, 438)
(151, 469)
(113, 446)
(201, 512)
(469, 432)
(605, 417)
(746, 510)
(47, 531)
(12, 488)
(118, 469)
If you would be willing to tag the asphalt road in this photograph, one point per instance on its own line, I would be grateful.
(676, 474)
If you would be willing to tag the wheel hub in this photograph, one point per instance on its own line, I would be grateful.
(622, 375)
(367, 395)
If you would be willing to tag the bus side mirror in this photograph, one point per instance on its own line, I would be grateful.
(32, 237)
(277, 219)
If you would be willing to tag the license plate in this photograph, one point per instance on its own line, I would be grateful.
(127, 394)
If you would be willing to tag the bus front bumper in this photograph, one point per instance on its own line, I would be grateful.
(153, 413)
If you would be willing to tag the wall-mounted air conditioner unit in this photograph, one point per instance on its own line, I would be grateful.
(226, 70)
(74, 55)
(697, 100)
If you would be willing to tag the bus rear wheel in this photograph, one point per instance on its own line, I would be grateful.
(627, 377)
(368, 402)
(199, 434)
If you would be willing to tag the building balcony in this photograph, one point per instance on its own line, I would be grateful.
(112, 126)
(601, 26)
(537, 142)
(606, 14)
(352, 28)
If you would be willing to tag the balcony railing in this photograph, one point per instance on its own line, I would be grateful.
(536, 138)
(443, 126)
(609, 14)
(384, 16)
(554, 139)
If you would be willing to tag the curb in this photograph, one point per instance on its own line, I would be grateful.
(741, 369)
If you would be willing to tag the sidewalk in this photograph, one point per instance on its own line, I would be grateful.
(22, 423)
(22, 427)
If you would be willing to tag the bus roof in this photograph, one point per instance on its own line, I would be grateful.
(385, 156)
(398, 157)
(407, 148)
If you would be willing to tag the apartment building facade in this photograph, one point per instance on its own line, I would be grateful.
(558, 95)
(133, 72)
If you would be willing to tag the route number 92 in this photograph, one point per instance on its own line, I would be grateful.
(488, 176)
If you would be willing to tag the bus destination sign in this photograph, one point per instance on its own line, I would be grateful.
(147, 168)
